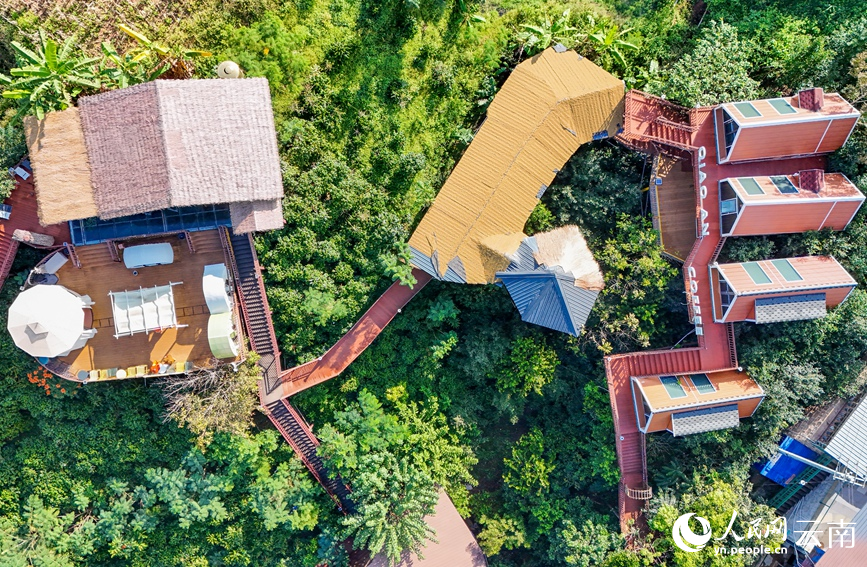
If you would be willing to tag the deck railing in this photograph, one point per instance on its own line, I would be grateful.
(640, 493)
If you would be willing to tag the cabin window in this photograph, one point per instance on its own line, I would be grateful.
(648, 413)
(756, 273)
(730, 130)
(673, 387)
(751, 186)
(783, 184)
(789, 273)
(782, 106)
(726, 295)
(728, 207)
(747, 109)
(702, 383)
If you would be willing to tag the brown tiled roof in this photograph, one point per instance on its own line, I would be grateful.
(60, 167)
(455, 547)
(550, 105)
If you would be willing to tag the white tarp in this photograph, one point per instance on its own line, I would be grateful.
(148, 255)
(143, 310)
(214, 288)
(46, 320)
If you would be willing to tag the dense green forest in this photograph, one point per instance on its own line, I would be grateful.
(374, 104)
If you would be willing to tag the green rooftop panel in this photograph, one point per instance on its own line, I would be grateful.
(673, 387)
(751, 186)
(702, 384)
(782, 106)
(747, 109)
(789, 273)
(756, 272)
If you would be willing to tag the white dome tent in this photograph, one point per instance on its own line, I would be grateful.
(47, 321)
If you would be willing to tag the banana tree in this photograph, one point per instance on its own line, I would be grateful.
(608, 41)
(122, 70)
(172, 63)
(537, 38)
(46, 78)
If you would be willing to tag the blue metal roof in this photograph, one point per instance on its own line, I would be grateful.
(549, 299)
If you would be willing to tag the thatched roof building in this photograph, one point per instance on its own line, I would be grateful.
(158, 145)
(548, 107)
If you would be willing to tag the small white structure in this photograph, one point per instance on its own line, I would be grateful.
(221, 336)
(216, 289)
(144, 310)
(145, 255)
(47, 321)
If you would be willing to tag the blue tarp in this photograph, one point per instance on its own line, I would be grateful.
(781, 468)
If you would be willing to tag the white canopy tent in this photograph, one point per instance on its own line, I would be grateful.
(46, 320)
(144, 310)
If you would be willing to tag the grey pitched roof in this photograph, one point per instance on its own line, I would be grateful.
(790, 308)
(849, 444)
(181, 143)
(702, 420)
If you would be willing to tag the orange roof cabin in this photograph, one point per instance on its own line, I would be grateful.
(770, 291)
(694, 403)
(811, 122)
(780, 204)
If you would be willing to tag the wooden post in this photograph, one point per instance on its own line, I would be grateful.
(33, 238)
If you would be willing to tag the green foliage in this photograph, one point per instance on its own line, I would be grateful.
(583, 546)
(538, 37)
(12, 146)
(528, 470)
(499, 533)
(44, 537)
(48, 77)
(716, 70)
(395, 463)
(532, 366)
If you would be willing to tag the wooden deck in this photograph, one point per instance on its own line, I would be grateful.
(99, 274)
(676, 207)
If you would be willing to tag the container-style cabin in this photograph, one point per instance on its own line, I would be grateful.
(811, 122)
(770, 291)
(694, 403)
(780, 204)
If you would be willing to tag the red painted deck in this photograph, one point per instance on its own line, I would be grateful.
(352, 344)
(25, 217)
(653, 125)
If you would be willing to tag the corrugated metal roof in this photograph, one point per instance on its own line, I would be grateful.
(840, 556)
(548, 299)
(791, 308)
(548, 107)
(700, 421)
(849, 444)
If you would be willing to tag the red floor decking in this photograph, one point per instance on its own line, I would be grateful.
(24, 216)
(716, 350)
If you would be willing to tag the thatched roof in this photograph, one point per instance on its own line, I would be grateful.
(566, 249)
(547, 108)
(256, 216)
(181, 143)
(164, 144)
(60, 167)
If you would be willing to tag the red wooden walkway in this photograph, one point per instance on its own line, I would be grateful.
(352, 344)
(25, 217)
(654, 125)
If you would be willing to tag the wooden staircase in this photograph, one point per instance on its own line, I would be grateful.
(299, 435)
(254, 306)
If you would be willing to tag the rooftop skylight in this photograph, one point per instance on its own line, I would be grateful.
(751, 186)
(783, 184)
(747, 109)
(782, 106)
(789, 273)
(756, 273)
(672, 386)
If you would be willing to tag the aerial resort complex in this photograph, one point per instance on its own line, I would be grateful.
(161, 208)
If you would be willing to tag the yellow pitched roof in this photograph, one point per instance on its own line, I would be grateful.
(548, 107)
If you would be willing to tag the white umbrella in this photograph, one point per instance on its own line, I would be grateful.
(46, 320)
